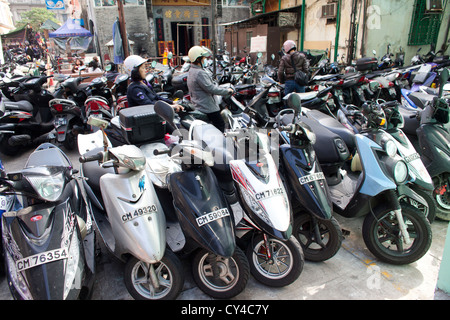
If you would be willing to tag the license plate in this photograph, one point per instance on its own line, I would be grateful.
(60, 122)
(312, 177)
(97, 115)
(392, 91)
(42, 258)
(139, 213)
(212, 216)
(269, 194)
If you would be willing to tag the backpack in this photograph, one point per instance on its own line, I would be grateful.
(300, 77)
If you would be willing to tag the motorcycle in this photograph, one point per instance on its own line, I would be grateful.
(100, 102)
(129, 218)
(427, 129)
(49, 244)
(200, 222)
(314, 227)
(27, 121)
(368, 182)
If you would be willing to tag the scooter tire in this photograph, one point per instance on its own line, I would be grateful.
(382, 224)
(216, 287)
(330, 233)
(266, 270)
(169, 269)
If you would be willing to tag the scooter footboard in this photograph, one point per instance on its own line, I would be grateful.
(203, 211)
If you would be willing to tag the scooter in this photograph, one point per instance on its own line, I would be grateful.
(428, 129)
(200, 221)
(26, 122)
(257, 195)
(368, 183)
(129, 218)
(314, 226)
(49, 243)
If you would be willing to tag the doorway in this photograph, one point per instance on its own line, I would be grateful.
(183, 36)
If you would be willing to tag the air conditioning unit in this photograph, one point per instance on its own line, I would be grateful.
(434, 6)
(329, 10)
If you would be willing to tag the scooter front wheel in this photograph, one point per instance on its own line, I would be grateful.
(320, 239)
(275, 263)
(219, 277)
(383, 237)
(168, 275)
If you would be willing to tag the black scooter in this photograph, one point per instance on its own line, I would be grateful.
(27, 120)
(314, 227)
(428, 130)
(200, 220)
(49, 245)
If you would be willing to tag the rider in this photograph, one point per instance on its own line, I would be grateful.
(140, 92)
(286, 70)
(202, 89)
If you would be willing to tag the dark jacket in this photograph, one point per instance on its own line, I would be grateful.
(286, 70)
(139, 94)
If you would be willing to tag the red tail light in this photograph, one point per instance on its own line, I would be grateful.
(273, 94)
(58, 107)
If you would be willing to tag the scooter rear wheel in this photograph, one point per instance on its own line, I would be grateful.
(284, 265)
(219, 277)
(169, 272)
(382, 235)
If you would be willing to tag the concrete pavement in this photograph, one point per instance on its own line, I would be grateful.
(352, 274)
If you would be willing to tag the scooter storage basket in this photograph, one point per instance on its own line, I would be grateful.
(141, 124)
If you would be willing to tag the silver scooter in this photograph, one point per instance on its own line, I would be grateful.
(130, 218)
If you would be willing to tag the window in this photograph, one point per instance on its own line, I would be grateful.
(424, 24)
(248, 38)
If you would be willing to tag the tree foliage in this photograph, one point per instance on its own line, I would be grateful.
(35, 17)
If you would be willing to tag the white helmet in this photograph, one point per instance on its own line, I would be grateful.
(132, 62)
(288, 45)
(197, 51)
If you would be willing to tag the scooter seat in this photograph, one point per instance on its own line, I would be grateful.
(308, 95)
(94, 172)
(334, 126)
(22, 105)
(420, 99)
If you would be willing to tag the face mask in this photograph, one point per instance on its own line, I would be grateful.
(204, 63)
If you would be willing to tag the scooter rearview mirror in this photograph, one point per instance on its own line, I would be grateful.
(295, 102)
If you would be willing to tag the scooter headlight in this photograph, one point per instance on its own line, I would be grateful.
(400, 172)
(391, 148)
(49, 188)
(254, 206)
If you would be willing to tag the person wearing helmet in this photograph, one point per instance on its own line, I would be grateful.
(111, 71)
(286, 70)
(202, 88)
(140, 92)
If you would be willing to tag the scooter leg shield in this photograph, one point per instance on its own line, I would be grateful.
(203, 211)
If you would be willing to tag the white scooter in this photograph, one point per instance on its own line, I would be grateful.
(129, 217)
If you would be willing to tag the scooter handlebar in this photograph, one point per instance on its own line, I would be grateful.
(95, 157)
(158, 152)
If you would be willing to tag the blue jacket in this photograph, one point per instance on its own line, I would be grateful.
(139, 94)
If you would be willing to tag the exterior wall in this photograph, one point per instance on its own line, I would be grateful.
(137, 25)
(391, 26)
